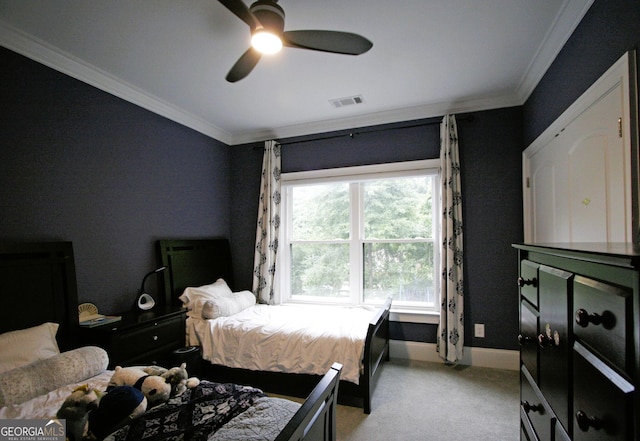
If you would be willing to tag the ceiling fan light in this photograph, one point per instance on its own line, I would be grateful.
(266, 42)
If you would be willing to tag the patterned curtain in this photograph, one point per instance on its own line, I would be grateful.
(264, 261)
(451, 328)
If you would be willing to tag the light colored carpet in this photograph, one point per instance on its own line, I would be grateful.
(432, 402)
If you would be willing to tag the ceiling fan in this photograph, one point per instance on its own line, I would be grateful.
(266, 23)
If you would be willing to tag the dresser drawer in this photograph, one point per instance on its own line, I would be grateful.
(155, 336)
(528, 338)
(588, 318)
(603, 320)
(603, 400)
(528, 281)
(534, 410)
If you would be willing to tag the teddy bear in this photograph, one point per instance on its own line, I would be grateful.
(154, 387)
(75, 410)
(115, 408)
(177, 377)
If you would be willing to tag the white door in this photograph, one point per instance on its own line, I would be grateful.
(578, 180)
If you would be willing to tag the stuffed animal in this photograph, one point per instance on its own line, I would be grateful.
(75, 409)
(117, 407)
(177, 377)
(154, 387)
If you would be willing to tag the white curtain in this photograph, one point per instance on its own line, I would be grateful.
(264, 262)
(451, 328)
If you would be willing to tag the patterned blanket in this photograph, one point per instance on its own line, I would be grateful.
(194, 415)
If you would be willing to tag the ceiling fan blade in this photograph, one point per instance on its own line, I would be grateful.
(327, 41)
(244, 65)
(242, 12)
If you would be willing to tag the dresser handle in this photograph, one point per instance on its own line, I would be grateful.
(531, 407)
(583, 318)
(522, 282)
(585, 421)
(549, 338)
(155, 338)
(546, 341)
(523, 340)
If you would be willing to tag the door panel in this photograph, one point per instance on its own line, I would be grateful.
(578, 173)
(588, 190)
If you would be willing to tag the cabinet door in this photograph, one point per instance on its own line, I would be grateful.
(578, 173)
(555, 348)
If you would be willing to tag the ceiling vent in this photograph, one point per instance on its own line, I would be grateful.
(341, 102)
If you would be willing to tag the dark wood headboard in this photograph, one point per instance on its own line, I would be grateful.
(38, 285)
(193, 262)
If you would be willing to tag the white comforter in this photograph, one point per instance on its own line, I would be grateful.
(286, 338)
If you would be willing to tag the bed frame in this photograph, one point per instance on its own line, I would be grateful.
(316, 418)
(38, 284)
(195, 262)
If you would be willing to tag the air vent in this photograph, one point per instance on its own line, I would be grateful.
(341, 102)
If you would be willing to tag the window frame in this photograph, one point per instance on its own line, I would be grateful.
(359, 173)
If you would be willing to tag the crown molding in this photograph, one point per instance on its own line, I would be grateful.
(373, 119)
(565, 23)
(44, 53)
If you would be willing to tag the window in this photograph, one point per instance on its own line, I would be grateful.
(361, 234)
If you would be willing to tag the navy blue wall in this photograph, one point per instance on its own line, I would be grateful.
(607, 31)
(81, 165)
(491, 162)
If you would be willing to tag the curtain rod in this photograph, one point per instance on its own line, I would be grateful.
(362, 132)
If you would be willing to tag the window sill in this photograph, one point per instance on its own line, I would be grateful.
(412, 316)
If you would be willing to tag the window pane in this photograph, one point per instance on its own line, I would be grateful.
(321, 212)
(403, 271)
(320, 270)
(398, 208)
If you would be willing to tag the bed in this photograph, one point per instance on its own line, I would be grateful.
(42, 364)
(204, 262)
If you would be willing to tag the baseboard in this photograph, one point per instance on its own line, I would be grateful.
(483, 357)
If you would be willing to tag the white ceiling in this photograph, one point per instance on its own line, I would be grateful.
(429, 57)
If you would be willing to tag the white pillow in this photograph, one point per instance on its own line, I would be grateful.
(226, 306)
(215, 290)
(24, 346)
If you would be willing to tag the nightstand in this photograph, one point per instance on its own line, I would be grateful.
(140, 338)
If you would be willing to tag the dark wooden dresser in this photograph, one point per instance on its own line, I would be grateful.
(140, 338)
(580, 341)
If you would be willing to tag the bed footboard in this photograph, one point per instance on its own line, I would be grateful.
(316, 418)
(376, 350)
